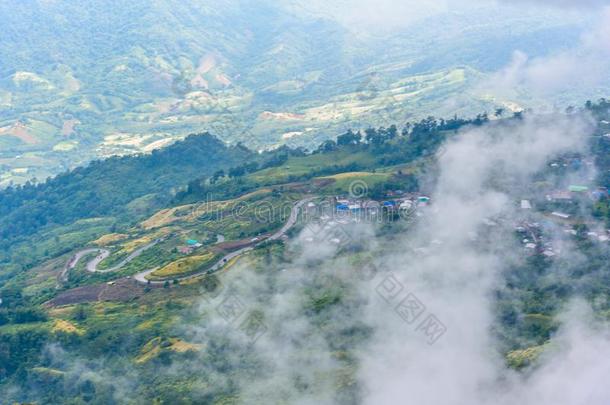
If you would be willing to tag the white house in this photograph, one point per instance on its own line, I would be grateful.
(560, 215)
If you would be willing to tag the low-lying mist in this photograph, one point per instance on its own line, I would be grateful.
(418, 325)
(388, 314)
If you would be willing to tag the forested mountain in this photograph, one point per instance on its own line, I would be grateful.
(210, 202)
(124, 189)
(97, 78)
(334, 202)
(106, 187)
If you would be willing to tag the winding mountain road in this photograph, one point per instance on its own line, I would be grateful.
(63, 276)
(92, 265)
(101, 255)
(141, 277)
(292, 220)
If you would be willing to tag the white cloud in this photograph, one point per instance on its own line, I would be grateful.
(585, 67)
(298, 359)
(574, 370)
(303, 351)
(457, 279)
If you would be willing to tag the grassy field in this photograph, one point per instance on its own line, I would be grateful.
(345, 183)
(302, 166)
(249, 215)
(193, 212)
(110, 239)
(185, 266)
(156, 346)
(67, 327)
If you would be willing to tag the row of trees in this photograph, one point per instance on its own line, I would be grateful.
(389, 146)
(418, 132)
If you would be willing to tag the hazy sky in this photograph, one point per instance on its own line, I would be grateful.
(382, 16)
(567, 3)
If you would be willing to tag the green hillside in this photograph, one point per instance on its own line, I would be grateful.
(100, 78)
(150, 314)
(121, 187)
(298, 202)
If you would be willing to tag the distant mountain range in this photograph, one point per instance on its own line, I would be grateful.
(79, 81)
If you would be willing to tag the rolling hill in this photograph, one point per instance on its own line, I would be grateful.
(101, 78)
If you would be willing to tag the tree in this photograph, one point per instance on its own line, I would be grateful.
(392, 132)
(373, 137)
(80, 314)
(237, 171)
(481, 119)
(216, 176)
(327, 146)
(349, 138)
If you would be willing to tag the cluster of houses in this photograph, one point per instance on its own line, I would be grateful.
(402, 202)
(599, 236)
(534, 241)
(191, 245)
(341, 210)
(575, 191)
(574, 163)
(572, 193)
